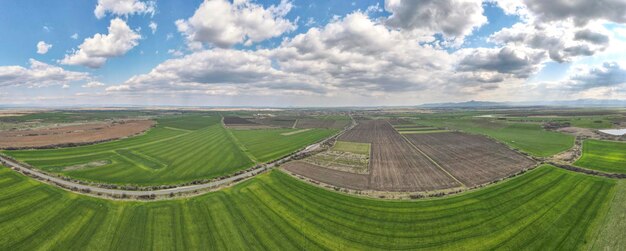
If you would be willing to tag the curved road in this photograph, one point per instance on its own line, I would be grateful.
(108, 192)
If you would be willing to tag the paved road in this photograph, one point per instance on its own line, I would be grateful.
(161, 192)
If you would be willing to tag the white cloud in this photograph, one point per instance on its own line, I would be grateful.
(353, 54)
(74, 36)
(153, 27)
(515, 62)
(609, 74)
(93, 84)
(124, 7)
(65, 86)
(561, 39)
(175, 53)
(453, 18)
(95, 51)
(224, 24)
(39, 74)
(581, 11)
(43, 47)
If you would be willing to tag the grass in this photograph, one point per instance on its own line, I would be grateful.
(271, 144)
(611, 235)
(352, 147)
(605, 156)
(178, 150)
(527, 137)
(547, 208)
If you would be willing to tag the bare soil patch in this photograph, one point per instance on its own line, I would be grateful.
(295, 132)
(329, 176)
(97, 163)
(341, 161)
(321, 123)
(233, 120)
(72, 135)
(587, 133)
(472, 159)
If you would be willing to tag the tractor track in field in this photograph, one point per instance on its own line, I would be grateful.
(174, 192)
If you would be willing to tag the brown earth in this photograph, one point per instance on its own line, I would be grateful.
(329, 176)
(321, 123)
(72, 135)
(395, 165)
(233, 120)
(472, 159)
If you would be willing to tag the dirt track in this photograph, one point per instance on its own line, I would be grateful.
(75, 134)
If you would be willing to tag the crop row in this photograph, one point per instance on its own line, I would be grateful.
(546, 208)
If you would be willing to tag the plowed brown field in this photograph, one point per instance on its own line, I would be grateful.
(472, 159)
(395, 165)
(75, 134)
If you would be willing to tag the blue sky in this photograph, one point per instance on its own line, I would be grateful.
(467, 67)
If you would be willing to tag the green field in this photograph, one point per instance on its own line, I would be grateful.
(271, 144)
(605, 156)
(527, 137)
(178, 150)
(352, 147)
(547, 208)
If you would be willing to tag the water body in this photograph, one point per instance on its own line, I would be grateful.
(615, 132)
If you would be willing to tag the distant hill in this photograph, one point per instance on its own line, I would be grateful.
(558, 103)
(468, 104)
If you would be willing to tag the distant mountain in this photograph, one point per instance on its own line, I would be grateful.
(468, 104)
(558, 103)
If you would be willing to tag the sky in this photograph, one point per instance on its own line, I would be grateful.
(284, 53)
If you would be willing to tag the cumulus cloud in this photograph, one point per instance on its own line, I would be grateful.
(38, 74)
(124, 7)
(517, 62)
(43, 47)
(592, 37)
(581, 11)
(74, 36)
(224, 24)
(357, 52)
(93, 84)
(561, 40)
(608, 75)
(453, 18)
(207, 70)
(354, 54)
(95, 51)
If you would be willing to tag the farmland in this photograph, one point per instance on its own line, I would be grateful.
(472, 159)
(604, 156)
(269, 144)
(71, 135)
(527, 137)
(179, 149)
(547, 208)
(427, 161)
(395, 165)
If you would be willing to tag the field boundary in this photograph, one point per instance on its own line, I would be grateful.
(239, 145)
